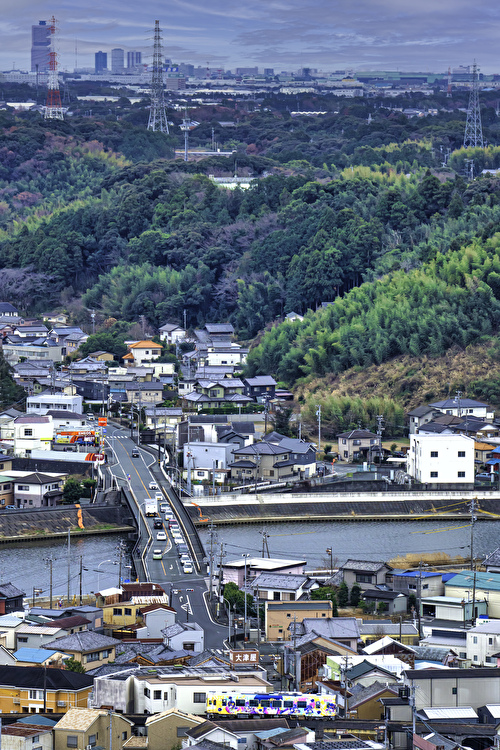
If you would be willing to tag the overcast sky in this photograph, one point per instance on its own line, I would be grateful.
(283, 34)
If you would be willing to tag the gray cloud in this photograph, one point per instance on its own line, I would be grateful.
(326, 34)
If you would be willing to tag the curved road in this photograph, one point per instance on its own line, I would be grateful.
(186, 591)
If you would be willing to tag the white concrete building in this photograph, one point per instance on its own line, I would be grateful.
(483, 643)
(463, 407)
(32, 432)
(199, 456)
(46, 402)
(171, 333)
(443, 459)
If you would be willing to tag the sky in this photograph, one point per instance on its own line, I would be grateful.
(423, 35)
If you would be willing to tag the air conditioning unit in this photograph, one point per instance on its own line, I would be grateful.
(16, 701)
(61, 703)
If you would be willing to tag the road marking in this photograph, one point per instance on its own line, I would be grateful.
(164, 571)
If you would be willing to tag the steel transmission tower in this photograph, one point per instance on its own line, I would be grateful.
(473, 137)
(158, 110)
(53, 107)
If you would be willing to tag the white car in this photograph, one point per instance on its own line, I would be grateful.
(187, 567)
(161, 536)
(157, 554)
(185, 559)
(164, 508)
(153, 486)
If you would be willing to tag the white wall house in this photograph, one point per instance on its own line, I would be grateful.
(483, 642)
(463, 407)
(32, 432)
(441, 459)
(45, 402)
(171, 333)
(198, 456)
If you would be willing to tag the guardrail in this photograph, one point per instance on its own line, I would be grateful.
(141, 524)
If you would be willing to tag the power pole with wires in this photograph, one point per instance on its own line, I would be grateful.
(473, 137)
(158, 111)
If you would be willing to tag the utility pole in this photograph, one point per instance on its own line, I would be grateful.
(329, 551)
(246, 555)
(318, 414)
(81, 585)
(213, 535)
(69, 560)
(473, 519)
(120, 549)
(49, 562)
(380, 429)
(265, 546)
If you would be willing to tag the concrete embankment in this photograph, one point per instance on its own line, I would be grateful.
(50, 523)
(355, 506)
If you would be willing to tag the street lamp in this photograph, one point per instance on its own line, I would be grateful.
(329, 551)
(223, 599)
(99, 572)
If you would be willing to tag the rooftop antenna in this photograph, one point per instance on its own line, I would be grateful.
(53, 108)
(158, 111)
(473, 137)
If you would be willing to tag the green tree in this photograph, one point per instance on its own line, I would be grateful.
(343, 595)
(73, 665)
(355, 595)
(326, 593)
(72, 491)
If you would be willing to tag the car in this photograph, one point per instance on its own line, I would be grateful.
(157, 523)
(10, 507)
(161, 536)
(158, 496)
(90, 417)
(187, 567)
(173, 523)
(153, 486)
(484, 477)
(157, 554)
(164, 508)
(135, 453)
(185, 558)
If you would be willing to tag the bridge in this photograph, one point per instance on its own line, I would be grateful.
(187, 592)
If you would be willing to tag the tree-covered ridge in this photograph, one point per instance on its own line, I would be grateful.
(452, 299)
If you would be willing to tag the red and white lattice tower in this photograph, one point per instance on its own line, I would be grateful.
(53, 107)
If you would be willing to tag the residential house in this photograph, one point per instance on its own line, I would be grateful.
(391, 602)
(238, 432)
(88, 647)
(11, 599)
(6, 490)
(48, 350)
(213, 394)
(366, 573)
(201, 428)
(263, 462)
(168, 728)
(482, 451)
(292, 317)
(202, 457)
(420, 416)
(35, 690)
(260, 387)
(451, 609)
(8, 311)
(365, 704)
(434, 688)
(388, 645)
(342, 630)
(302, 453)
(309, 654)
(84, 728)
(233, 571)
(186, 636)
(31, 635)
(37, 490)
(46, 402)
(487, 587)
(32, 432)
(8, 626)
(459, 407)
(171, 333)
(67, 420)
(56, 318)
(162, 418)
(39, 657)
(72, 624)
(155, 618)
(358, 444)
(144, 393)
(139, 691)
(31, 331)
(279, 615)
(419, 582)
(140, 352)
(373, 630)
(367, 672)
(19, 736)
(102, 356)
(447, 459)
(282, 586)
(211, 732)
(483, 644)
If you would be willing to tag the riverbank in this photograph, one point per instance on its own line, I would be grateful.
(42, 535)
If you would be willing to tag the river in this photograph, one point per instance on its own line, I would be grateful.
(26, 565)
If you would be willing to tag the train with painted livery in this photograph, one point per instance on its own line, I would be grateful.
(271, 704)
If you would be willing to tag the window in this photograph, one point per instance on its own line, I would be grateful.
(199, 697)
(461, 454)
(36, 695)
(92, 740)
(489, 659)
(22, 639)
(71, 740)
(165, 697)
(434, 474)
(146, 692)
(490, 641)
(276, 596)
(93, 656)
(454, 691)
(157, 695)
(474, 639)
(23, 487)
(117, 611)
(475, 657)
(200, 473)
(28, 432)
(181, 731)
(363, 578)
(344, 441)
(434, 454)
(36, 738)
(188, 646)
(127, 611)
(461, 474)
(124, 735)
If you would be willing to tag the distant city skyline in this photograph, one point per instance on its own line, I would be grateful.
(280, 34)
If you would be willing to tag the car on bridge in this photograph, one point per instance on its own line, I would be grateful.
(157, 554)
(153, 486)
(161, 536)
(157, 523)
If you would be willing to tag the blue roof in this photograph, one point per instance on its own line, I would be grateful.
(35, 655)
(416, 574)
(38, 719)
(465, 579)
(446, 577)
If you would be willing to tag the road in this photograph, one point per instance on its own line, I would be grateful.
(186, 591)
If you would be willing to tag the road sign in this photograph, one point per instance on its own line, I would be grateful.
(249, 656)
(102, 421)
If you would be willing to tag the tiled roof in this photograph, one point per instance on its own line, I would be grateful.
(286, 581)
(368, 566)
(9, 591)
(87, 640)
(34, 678)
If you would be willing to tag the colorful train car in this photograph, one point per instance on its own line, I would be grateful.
(271, 704)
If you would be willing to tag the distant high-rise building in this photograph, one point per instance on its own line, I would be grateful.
(133, 59)
(101, 62)
(40, 47)
(117, 60)
(268, 71)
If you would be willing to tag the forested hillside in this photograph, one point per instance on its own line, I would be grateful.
(353, 209)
